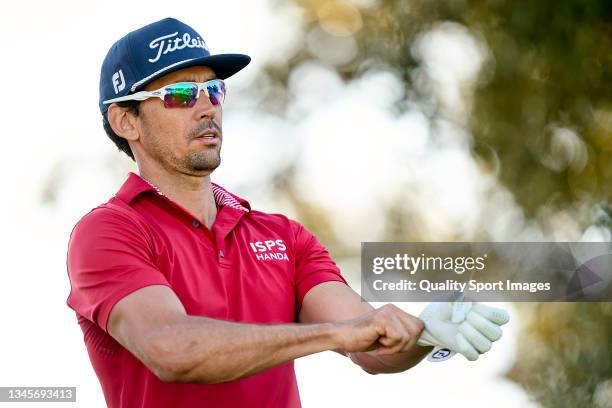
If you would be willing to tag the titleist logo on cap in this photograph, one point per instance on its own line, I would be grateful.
(173, 42)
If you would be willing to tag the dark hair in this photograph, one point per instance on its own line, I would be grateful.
(121, 143)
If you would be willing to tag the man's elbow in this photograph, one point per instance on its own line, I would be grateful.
(163, 362)
(169, 364)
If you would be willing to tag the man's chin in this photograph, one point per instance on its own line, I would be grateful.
(203, 163)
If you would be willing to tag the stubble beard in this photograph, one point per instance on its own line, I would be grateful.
(194, 163)
(206, 161)
(209, 159)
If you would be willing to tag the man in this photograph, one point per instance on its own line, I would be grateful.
(186, 296)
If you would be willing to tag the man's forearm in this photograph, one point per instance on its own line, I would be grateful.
(203, 350)
(394, 363)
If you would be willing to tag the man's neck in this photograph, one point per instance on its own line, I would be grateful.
(191, 192)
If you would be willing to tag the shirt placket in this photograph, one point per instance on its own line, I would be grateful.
(227, 218)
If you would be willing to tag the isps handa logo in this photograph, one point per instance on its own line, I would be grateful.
(270, 250)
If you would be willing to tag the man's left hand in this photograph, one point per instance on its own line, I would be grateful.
(464, 327)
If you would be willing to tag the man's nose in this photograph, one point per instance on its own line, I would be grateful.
(204, 107)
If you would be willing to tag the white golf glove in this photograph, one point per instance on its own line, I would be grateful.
(461, 327)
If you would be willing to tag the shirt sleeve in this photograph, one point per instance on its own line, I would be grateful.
(313, 265)
(109, 257)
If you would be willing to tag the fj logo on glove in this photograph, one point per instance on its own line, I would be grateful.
(440, 354)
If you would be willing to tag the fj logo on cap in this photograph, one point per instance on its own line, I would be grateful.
(118, 81)
(173, 42)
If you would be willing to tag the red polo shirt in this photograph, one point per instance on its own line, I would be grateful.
(251, 267)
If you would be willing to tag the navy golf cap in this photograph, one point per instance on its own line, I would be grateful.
(155, 50)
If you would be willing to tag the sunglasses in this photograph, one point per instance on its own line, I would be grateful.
(180, 94)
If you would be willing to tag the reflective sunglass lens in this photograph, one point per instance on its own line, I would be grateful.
(180, 95)
(216, 92)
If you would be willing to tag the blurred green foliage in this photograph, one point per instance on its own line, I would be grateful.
(540, 115)
(564, 356)
(550, 66)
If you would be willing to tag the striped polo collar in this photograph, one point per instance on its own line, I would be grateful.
(136, 185)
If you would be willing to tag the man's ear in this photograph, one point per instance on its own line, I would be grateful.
(123, 122)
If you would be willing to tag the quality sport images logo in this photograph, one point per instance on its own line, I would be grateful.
(270, 250)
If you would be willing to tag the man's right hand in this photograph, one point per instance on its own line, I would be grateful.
(388, 329)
